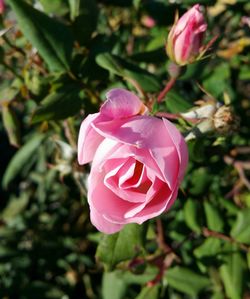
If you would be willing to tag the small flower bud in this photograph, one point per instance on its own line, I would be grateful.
(184, 44)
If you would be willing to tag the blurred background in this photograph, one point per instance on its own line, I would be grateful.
(57, 60)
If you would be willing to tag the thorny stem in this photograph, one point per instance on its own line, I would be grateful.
(168, 86)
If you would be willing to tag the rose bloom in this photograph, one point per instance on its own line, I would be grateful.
(184, 44)
(138, 162)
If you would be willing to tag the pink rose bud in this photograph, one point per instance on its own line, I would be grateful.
(2, 6)
(184, 44)
(138, 162)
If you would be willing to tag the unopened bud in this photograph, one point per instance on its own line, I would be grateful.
(185, 39)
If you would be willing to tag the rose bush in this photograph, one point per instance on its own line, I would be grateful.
(138, 162)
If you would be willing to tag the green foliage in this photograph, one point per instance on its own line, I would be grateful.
(58, 58)
(52, 39)
(21, 159)
(112, 251)
(60, 104)
(241, 229)
(186, 281)
(129, 71)
(232, 274)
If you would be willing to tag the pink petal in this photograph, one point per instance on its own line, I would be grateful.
(102, 224)
(156, 206)
(103, 200)
(121, 103)
(149, 133)
(114, 150)
(88, 140)
(116, 178)
(153, 190)
(180, 145)
(193, 12)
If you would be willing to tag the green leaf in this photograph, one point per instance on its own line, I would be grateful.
(149, 292)
(84, 14)
(111, 280)
(52, 38)
(200, 180)
(191, 214)
(58, 7)
(213, 216)
(194, 70)
(232, 274)
(8, 92)
(11, 125)
(129, 71)
(186, 281)
(108, 62)
(20, 159)
(122, 246)
(217, 82)
(176, 103)
(211, 246)
(60, 104)
(15, 206)
(148, 274)
(241, 228)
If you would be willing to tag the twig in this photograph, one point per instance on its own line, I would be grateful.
(240, 150)
(239, 166)
(168, 86)
(160, 237)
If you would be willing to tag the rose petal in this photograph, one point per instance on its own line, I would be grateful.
(156, 206)
(110, 149)
(121, 103)
(104, 200)
(88, 140)
(184, 20)
(140, 132)
(102, 224)
(135, 193)
(153, 190)
(180, 145)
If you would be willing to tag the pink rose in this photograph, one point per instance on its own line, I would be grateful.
(138, 162)
(184, 44)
